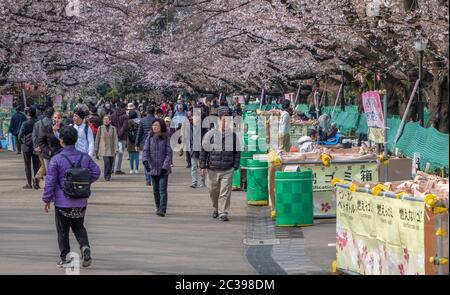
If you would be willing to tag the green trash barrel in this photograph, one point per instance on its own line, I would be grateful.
(257, 187)
(245, 155)
(237, 179)
(294, 198)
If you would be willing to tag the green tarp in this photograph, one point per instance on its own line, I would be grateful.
(430, 143)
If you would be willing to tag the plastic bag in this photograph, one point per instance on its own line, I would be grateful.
(274, 158)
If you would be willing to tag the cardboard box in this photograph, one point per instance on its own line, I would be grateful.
(398, 169)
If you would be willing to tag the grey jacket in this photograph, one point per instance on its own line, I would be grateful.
(39, 128)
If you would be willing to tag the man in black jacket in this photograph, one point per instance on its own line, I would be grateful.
(39, 128)
(218, 165)
(26, 138)
(145, 125)
(120, 120)
(14, 127)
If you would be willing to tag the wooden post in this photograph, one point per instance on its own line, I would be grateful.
(402, 123)
(263, 94)
(298, 94)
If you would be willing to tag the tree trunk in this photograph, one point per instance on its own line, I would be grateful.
(437, 93)
(397, 95)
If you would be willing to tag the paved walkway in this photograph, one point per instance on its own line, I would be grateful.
(128, 238)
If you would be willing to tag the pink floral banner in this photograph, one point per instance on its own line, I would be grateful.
(372, 108)
(379, 236)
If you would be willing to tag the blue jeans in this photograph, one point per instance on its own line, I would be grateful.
(159, 183)
(14, 142)
(134, 160)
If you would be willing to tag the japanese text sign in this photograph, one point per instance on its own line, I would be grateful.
(379, 235)
(372, 108)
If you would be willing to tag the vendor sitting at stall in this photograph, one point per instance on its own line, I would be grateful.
(327, 130)
(306, 143)
(324, 126)
(332, 131)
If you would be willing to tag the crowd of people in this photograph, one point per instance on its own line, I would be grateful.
(58, 147)
(55, 144)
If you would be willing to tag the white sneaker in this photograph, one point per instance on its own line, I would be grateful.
(131, 171)
(136, 171)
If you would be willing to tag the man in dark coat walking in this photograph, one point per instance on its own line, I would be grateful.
(120, 120)
(14, 127)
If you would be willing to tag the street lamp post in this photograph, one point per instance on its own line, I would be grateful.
(342, 67)
(420, 45)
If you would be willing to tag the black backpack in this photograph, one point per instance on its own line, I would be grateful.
(132, 133)
(77, 181)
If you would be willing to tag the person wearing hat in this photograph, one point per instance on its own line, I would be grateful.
(218, 165)
(324, 126)
(285, 126)
(132, 107)
(306, 143)
(85, 142)
(167, 121)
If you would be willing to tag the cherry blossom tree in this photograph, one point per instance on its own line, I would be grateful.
(240, 46)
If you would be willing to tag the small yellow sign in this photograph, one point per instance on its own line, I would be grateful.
(376, 135)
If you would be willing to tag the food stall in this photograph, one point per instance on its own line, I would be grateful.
(325, 164)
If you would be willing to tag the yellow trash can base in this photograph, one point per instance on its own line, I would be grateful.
(273, 214)
(258, 203)
(294, 225)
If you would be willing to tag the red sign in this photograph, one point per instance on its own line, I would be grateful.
(372, 108)
(289, 96)
(241, 99)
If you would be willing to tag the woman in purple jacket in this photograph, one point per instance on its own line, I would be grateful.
(157, 157)
(69, 213)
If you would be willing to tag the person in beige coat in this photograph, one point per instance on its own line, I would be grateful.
(107, 145)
